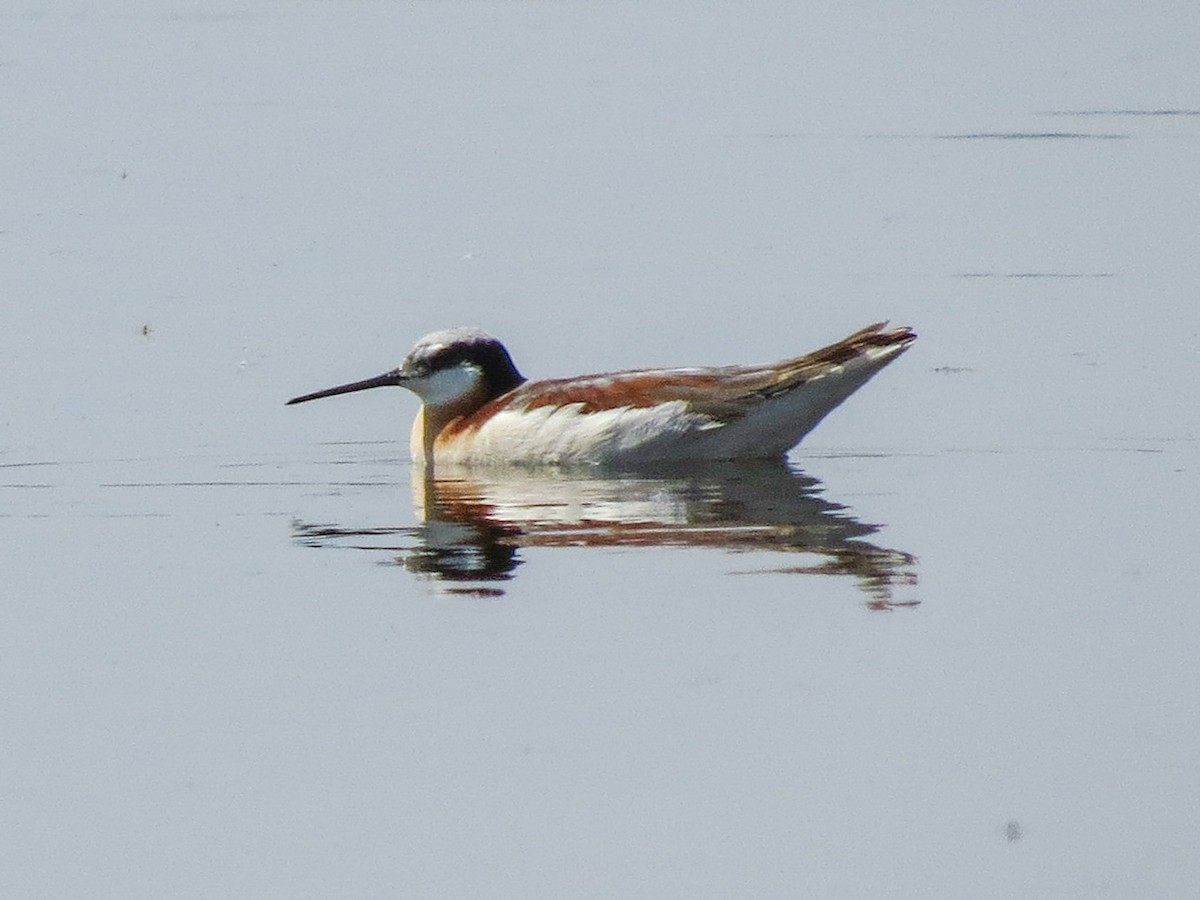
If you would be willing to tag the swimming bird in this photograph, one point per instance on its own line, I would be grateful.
(476, 408)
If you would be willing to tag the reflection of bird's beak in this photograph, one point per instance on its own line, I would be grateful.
(385, 380)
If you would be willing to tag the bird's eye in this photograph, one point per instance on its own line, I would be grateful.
(416, 366)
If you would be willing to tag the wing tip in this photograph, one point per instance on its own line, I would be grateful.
(901, 334)
(875, 342)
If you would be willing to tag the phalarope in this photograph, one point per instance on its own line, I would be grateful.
(476, 408)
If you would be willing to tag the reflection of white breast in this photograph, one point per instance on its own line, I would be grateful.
(547, 498)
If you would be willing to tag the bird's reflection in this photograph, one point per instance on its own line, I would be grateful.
(474, 523)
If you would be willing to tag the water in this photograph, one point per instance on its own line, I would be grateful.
(947, 650)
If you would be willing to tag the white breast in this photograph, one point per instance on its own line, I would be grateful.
(564, 435)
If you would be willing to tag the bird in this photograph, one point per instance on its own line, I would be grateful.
(477, 408)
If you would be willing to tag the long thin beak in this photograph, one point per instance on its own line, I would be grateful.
(386, 379)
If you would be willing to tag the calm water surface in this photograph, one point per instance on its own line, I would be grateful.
(947, 650)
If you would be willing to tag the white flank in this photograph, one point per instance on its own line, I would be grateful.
(565, 435)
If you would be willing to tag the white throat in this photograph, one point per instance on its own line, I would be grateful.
(447, 387)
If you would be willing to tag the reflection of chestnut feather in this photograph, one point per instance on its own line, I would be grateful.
(475, 523)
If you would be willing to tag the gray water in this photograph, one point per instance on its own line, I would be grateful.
(948, 650)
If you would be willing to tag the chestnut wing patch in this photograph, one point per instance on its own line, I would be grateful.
(634, 390)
